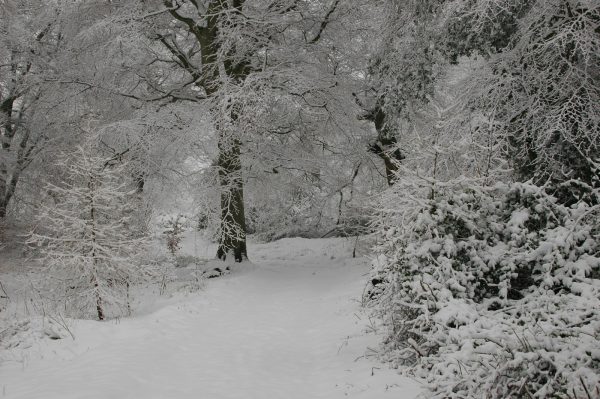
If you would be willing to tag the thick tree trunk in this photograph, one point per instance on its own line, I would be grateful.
(233, 221)
(6, 135)
(391, 158)
(9, 181)
(386, 145)
(140, 181)
(3, 183)
(9, 176)
(9, 189)
(3, 188)
(3, 205)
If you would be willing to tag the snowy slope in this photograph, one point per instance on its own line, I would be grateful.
(287, 327)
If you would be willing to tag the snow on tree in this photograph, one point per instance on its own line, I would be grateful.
(540, 87)
(270, 77)
(27, 40)
(400, 76)
(40, 113)
(87, 236)
(487, 284)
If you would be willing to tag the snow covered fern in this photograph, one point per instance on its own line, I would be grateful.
(88, 238)
(492, 292)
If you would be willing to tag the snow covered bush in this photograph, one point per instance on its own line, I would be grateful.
(491, 292)
(88, 239)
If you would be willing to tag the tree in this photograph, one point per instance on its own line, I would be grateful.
(39, 112)
(540, 87)
(401, 75)
(87, 236)
(27, 38)
(205, 28)
(252, 62)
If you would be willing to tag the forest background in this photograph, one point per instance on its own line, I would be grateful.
(461, 137)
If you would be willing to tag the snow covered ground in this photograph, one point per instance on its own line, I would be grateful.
(287, 326)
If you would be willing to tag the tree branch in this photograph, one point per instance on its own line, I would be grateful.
(325, 22)
(183, 60)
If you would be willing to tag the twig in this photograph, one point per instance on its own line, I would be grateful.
(63, 323)
(585, 388)
(3, 290)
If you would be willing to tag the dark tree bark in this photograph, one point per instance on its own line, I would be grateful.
(385, 146)
(9, 181)
(233, 221)
(99, 307)
(11, 113)
(99, 304)
(140, 181)
(384, 149)
(6, 136)
(3, 205)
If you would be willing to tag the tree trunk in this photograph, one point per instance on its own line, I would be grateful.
(384, 149)
(3, 183)
(233, 221)
(4, 197)
(3, 205)
(6, 136)
(9, 189)
(99, 306)
(233, 224)
(9, 178)
(386, 145)
(140, 181)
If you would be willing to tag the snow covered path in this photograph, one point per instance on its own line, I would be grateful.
(288, 328)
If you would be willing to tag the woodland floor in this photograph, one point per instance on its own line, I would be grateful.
(289, 325)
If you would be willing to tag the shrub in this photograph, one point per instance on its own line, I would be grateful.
(174, 227)
(492, 292)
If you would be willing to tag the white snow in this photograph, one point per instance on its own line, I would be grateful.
(290, 326)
